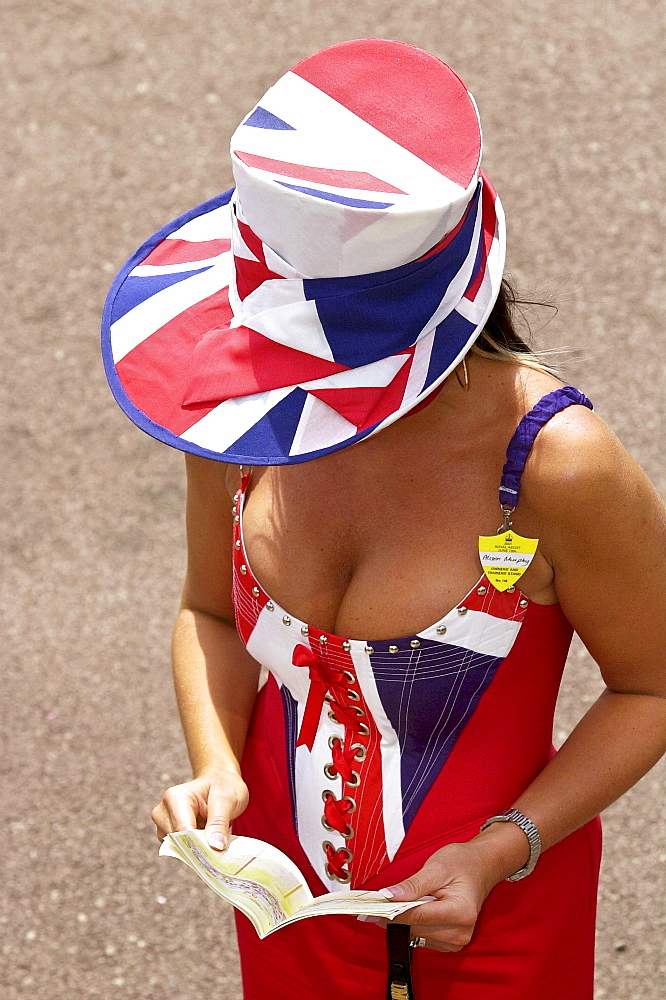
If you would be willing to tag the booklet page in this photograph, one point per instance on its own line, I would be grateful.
(265, 885)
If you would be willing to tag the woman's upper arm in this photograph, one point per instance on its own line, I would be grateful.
(604, 532)
(209, 523)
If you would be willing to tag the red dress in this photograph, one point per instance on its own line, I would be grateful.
(365, 757)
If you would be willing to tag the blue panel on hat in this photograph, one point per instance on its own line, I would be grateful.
(371, 316)
(450, 337)
(273, 434)
(342, 199)
(136, 290)
(260, 118)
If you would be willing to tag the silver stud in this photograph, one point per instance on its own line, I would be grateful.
(415, 644)
(393, 649)
(369, 650)
(237, 543)
(441, 629)
(323, 639)
(462, 611)
(255, 591)
(234, 509)
(304, 630)
(269, 605)
(236, 519)
(243, 568)
(482, 590)
(510, 590)
(346, 646)
(524, 603)
(286, 620)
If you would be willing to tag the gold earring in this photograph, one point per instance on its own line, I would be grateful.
(463, 385)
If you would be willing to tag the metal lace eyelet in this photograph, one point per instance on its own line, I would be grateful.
(349, 677)
(334, 741)
(363, 730)
(353, 695)
(360, 751)
(326, 825)
(330, 772)
(359, 711)
(333, 718)
(345, 879)
(352, 803)
(356, 780)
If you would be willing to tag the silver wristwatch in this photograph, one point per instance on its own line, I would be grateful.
(533, 838)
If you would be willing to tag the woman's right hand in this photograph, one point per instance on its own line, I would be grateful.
(209, 802)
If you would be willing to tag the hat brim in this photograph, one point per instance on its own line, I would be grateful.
(173, 291)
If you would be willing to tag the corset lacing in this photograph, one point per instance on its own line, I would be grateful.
(338, 687)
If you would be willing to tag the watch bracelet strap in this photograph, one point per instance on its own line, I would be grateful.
(531, 832)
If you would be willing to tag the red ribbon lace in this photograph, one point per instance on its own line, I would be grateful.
(336, 812)
(343, 761)
(324, 679)
(336, 860)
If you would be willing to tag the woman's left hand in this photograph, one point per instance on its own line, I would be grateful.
(460, 876)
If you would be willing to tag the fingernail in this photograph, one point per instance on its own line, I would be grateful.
(366, 919)
(392, 892)
(218, 841)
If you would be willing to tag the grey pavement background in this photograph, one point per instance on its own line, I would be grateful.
(117, 118)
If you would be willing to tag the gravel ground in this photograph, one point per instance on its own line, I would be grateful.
(118, 119)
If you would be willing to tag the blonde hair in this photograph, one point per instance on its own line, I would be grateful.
(500, 340)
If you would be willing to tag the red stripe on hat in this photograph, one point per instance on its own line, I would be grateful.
(359, 180)
(352, 404)
(393, 395)
(156, 372)
(228, 363)
(407, 94)
(185, 252)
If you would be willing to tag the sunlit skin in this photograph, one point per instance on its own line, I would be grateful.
(381, 539)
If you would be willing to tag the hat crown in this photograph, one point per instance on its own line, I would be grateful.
(359, 159)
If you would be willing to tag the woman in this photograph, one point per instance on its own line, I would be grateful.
(365, 308)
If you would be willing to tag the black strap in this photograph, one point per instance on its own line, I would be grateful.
(399, 986)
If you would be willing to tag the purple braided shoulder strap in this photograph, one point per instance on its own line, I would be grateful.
(525, 434)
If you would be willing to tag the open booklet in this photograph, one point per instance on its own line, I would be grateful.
(266, 886)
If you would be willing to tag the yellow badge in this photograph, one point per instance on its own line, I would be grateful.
(505, 557)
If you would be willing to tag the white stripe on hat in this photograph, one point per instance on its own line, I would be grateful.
(219, 428)
(320, 426)
(376, 374)
(144, 319)
(420, 365)
(151, 270)
(278, 309)
(213, 225)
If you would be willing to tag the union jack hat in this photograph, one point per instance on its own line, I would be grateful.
(335, 287)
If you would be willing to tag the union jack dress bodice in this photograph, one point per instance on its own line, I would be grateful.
(366, 728)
